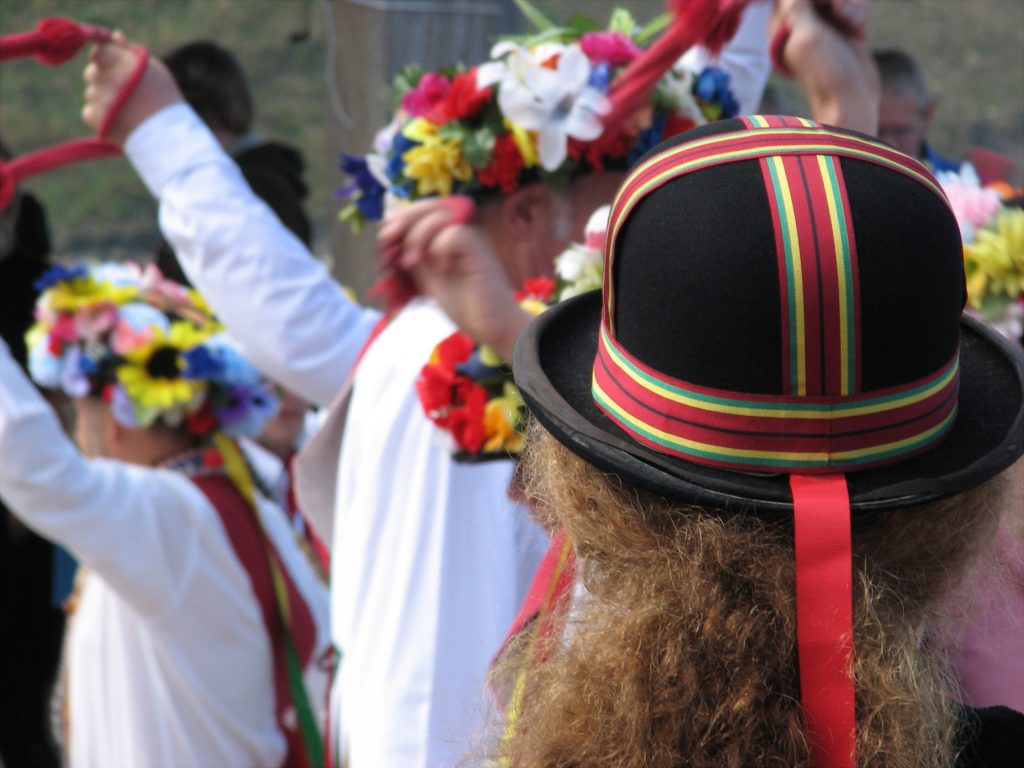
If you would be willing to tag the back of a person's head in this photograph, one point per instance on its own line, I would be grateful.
(685, 652)
(746, 414)
(900, 74)
(214, 84)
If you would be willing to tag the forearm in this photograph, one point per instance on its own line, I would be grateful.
(275, 298)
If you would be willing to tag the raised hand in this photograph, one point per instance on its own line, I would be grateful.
(835, 68)
(110, 67)
(452, 262)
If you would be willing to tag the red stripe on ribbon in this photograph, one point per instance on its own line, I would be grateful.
(828, 380)
(810, 277)
(824, 617)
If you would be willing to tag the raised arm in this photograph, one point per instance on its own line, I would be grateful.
(129, 524)
(292, 319)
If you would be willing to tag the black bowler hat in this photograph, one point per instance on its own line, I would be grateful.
(780, 298)
(780, 329)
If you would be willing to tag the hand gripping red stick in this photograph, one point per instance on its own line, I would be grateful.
(53, 42)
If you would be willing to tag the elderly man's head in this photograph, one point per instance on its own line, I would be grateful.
(906, 109)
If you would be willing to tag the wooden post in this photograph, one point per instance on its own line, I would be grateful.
(372, 40)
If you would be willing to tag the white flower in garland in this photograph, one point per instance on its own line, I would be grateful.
(580, 267)
(546, 90)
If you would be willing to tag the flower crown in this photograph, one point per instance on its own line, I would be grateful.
(533, 112)
(993, 236)
(467, 390)
(148, 346)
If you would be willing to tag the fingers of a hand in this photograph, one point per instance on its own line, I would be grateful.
(462, 208)
(418, 240)
(468, 249)
(397, 223)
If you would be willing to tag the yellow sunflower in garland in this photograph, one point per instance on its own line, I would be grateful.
(152, 374)
(83, 291)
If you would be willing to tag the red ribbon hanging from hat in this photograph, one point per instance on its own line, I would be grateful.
(53, 42)
(824, 617)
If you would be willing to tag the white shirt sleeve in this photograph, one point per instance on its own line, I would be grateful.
(746, 57)
(281, 304)
(130, 524)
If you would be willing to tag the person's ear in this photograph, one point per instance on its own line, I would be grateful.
(929, 114)
(526, 212)
(113, 433)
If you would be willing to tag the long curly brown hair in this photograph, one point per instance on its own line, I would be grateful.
(683, 650)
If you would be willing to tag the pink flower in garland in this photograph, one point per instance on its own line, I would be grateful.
(432, 91)
(614, 48)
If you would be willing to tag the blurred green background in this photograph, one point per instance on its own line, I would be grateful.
(972, 51)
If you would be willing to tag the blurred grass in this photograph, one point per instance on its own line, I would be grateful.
(100, 207)
(972, 52)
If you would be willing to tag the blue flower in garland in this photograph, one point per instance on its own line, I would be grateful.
(648, 138)
(712, 87)
(364, 187)
(245, 410)
(601, 76)
(399, 146)
(201, 363)
(59, 274)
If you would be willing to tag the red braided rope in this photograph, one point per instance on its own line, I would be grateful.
(711, 23)
(53, 42)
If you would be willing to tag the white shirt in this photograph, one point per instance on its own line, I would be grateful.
(169, 658)
(432, 563)
(430, 560)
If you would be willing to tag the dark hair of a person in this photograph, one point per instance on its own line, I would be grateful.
(214, 84)
(683, 651)
(899, 73)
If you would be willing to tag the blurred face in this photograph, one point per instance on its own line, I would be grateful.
(903, 122)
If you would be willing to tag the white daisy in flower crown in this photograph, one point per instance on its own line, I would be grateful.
(535, 111)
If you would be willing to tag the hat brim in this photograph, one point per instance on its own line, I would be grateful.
(553, 363)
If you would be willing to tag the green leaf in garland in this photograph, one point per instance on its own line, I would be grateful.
(407, 78)
(653, 28)
(477, 147)
(534, 16)
(354, 217)
(622, 21)
(452, 130)
(582, 24)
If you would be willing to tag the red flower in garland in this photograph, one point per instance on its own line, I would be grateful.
(466, 99)
(605, 147)
(465, 418)
(540, 288)
(451, 400)
(202, 422)
(454, 350)
(506, 163)
(677, 123)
